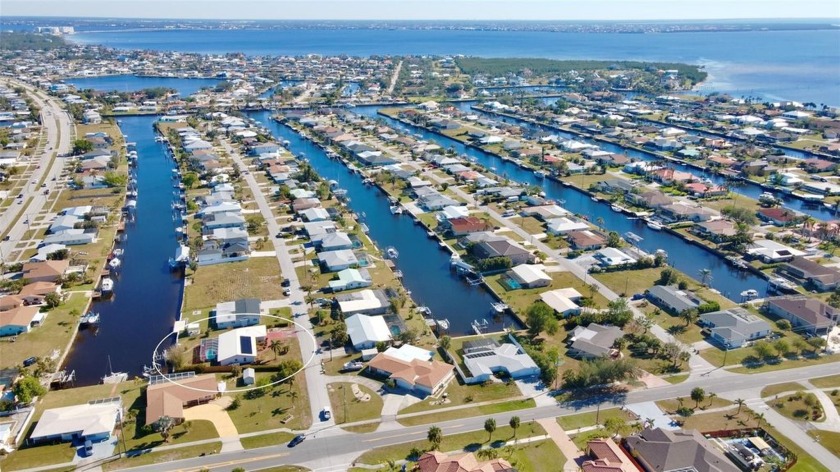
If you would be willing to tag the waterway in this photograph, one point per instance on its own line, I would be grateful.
(130, 83)
(425, 266)
(147, 295)
(684, 256)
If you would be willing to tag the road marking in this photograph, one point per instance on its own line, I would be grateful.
(406, 434)
(241, 461)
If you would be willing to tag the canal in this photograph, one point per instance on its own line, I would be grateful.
(682, 255)
(147, 296)
(425, 266)
(748, 189)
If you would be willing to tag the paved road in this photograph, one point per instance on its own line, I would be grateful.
(322, 452)
(59, 133)
(316, 383)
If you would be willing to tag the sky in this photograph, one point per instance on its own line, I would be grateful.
(428, 9)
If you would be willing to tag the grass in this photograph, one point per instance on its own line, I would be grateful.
(786, 364)
(284, 468)
(266, 440)
(470, 441)
(629, 281)
(829, 440)
(482, 410)
(776, 389)
(269, 410)
(672, 404)
(582, 420)
(461, 394)
(257, 277)
(826, 382)
(675, 379)
(794, 406)
(39, 456)
(347, 409)
(519, 300)
(163, 457)
(57, 330)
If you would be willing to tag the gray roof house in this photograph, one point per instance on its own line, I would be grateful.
(672, 299)
(334, 241)
(593, 341)
(659, 450)
(505, 248)
(822, 278)
(733, 327)
(805, 314)
(334, 261)
(236, 314)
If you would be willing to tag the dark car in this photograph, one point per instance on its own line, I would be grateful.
(29, 361)
(285, 283)
(297, 440)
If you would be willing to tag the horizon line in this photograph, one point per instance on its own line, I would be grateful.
(506, 20)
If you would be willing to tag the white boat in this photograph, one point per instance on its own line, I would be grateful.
(500, 307)
(396, 210)
(106, 285)
(750, 294)
(595, 199)
(539, 174)
(119, 251)
(631, 236)
(444, 324)
(114, 377)
(616, 208)
(114, 263)
(654, 225)
(91, 318)
(392, 253)
(782, 285)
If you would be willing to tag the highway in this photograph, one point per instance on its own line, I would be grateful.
(58, 129)
(328, 452)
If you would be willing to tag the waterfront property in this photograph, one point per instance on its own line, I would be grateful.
(486, 357)
(169, 398)
(366, 331)
(412, 370)
(805, 314)
(734, 327)
(816, 275)
(594, 341)
(672, 299)
(20, 319)
(236, 314)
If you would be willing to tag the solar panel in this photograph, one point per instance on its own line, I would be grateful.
(245, 345)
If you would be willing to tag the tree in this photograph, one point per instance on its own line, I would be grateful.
(698, 395)
(514, 424)
(816, 343)
(190, 179)
(276, 346)
(52, 300)
(740, 402)
(490, 427)
(690, 316)
(540, 317)
(672, 351)
(163, 425)
(782, 347)
(613, 239)
(668, 276)
(705, 277)
(614, 425)
(82, 146)
(28, 388)
(763, 350)
(435, 436)
(445, 342)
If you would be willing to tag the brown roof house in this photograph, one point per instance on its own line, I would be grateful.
(715, 230)
(34, 293)
(46, 271)
(806, 314)
(20, 320)
(777, 216)
(659, 450)
(503, 248)
(425, 377)
(436, 461)
(820, 277)
(606, 456)
(465, 225)
(10, 302)
(586, 240)
(169, 398)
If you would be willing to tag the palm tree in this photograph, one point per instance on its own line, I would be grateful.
(600, 222)
(514, 424)
(293, 396)
(490, 426)
(435, 436)
(705, 277)
(276, 346)
(759, 417)
(712, 397)
(740, 402)
(649, 423)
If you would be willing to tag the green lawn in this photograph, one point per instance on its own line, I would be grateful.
(164, 456)
(794, 406)
(533, 457)
(519, 300)
(347, 409)
(675, 379)
(265, 440)
(776, 389)
(826, 382)
(829, 440)
(671, 405)
(461, 394)
(582, 420)
(269, 410)
(38, 456)
(786, 364)
(258, 277)
(492, 408)
(470, 441)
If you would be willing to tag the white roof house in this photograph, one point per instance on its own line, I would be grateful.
(610, 256)
(361, 301)
(559, 302)
(365, 331)
(315, 214)
(505, 358)
(239, 346)
(45, 251)
(529, 275)
(565, 225)
(349, 279)
(772, 251)
(94, 420)
(337, 260)
(453, 211)
(408, 353)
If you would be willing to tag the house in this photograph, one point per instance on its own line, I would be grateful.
(485, 357)
(672, 299)
(586, 240)
(732, 328)
(423, 377)
(681, 211)
(215, 252)
(226, 219)
(436, 461)
(45, 251)
(594, 341)
(461, 226)
(46, 271)
(649, 199)
(71, 237)
(169, 398)
(10, 302)
(771, 251)
(334, 261)
(818, 276)
(529, 276)
(805, 314)
(565, 225)
(64, 222)
(503, 248)
(610, 257)
(660, 450)
(777, 215)
(239, 346)
(366, 331)
(236, 314)
(716, 230)
(315, 214)
(337, 241)
(606, 456)
(373, 302)
(34, 293)
(349, 279)
(560, 302)
(93, 421)
(20, 320)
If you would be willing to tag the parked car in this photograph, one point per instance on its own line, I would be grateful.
(326, 413)
(29, 361)
(285, 283)
(87, 450)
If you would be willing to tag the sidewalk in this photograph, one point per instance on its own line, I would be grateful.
(832, 417)
(569, 449)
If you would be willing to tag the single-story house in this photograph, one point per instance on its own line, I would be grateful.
(419, 376)
(236, 314)
(435, 461)
(333, 241)
(485, 357)
(94, 421)
(733, 327)
(610, 256)
(71, 237)
(594, 341)
(805, 314)
(503, 248)
(34, 293)
(606, 456)
(372, 302)
(529, 276)
(771, 251)
(559, 302)
(666, 450)
(365, 331)
(167, 398)
(349, 279)
(586, 240)
(820, 277)
(334, 261)
(565, 225)
(672, 299)
(20, 320)
(777, 215)
(46, 271)
(239, 346)
(464, 225)
(715, 230)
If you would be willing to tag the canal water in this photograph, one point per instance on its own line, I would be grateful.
(131, 83)
(682, 255)
(147, 296)
(425, 266)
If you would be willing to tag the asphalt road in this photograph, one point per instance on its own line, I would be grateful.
(53, 119)
(331, 451)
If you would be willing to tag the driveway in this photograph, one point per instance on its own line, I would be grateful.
(214, 412)
(649, 410)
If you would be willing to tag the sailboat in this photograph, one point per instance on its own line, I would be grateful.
(114, 377)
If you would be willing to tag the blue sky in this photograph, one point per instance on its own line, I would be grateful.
(429, 9)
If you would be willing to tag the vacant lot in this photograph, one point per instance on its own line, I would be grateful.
(258, 277)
